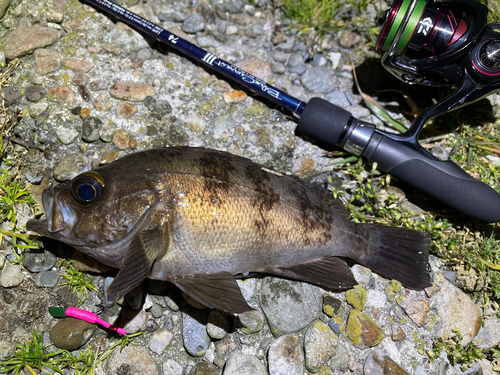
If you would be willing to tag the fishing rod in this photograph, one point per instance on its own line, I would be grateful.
(398, 155)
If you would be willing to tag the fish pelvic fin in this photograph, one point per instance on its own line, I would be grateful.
(397, 253)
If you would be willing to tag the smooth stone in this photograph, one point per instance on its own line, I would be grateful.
(243, 364)
(106, 132)
(363, 331)
(62, 94)
(457, 310)
(205, 368)
(320, 345)
(85, 93)
(319, 79)
(121, 138)
(70, 333)
(489, 334)
(36, 108)
(193, 23)
(379, 364)
(289, 305)
(251, 321)
(331, 305)
(299, 69)
(90, 129)
(417, 310)
(78, 65)
(219, 324)
(34, 93)
(11, 94)
(48, 279)
(66, 135)
(126, 109)
(171, 367)
(7, 350)
(47, 60)
(285, 356)
(344, 100)
(295, 60)
(71, 166)
(160, 340)
(194, 333)
(135, 321)
(11, 276)
(132, 359)
(337, 324)
(38, 261)
(131, 91)
(24, 40)
(102, 102)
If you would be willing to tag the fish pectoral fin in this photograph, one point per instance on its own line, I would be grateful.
(217, 291)
(330, 273)
(142, 252)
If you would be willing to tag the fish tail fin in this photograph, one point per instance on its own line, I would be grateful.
(397, 253)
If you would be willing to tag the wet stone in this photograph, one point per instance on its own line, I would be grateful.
(331, 305)
(34, 93)
(90, 129)
(121, 139)
(131, 91)
(193, 23)
(285, 356)
(70, 166)
(38, 261)
(132, 359)
(47, 60)
(62, 94)
(318, 79)
(7, 350)
(219, 324)
(85, 93)
(380, 364)
(107, 132)
(243, 364)
(194, 333)
(160, 340)
(362, 330)
(11, 276)
(205, 368)
(47, 279)
(70, 333)
(288, 305)
(417, 310)
(320, 345)
(251, 321)
(24, 40)
(356, 297)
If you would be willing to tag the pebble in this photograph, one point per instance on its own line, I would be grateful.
(11, 94)
(318, 80)
(38, 261)
(24, 40)
(134, 321)
(285, 356)
(121, 139)
(397, 332)
(379, 364)
(193, 23)
(160, 340)
(47, 60)
(132, 359)
(102, 103)
(90, 129)
(256, 67)
(106, 132)
(205, 368)
(363, 331)
(62, 94)
(78, 65)
(7, 350)
(66, 134)
(489, 334)
(70, 333)
(356, 297)
(331, 305)
(417, 310)
(131, 91)
(320, 345)
(34, 93)
(4, 5)
(243, 364)
(47, 279)
(251, 321)
(7, 296)
(457, 310)
(71, 166)
(11, 276)
(219, 324)
(289, 305)
(295, 60)
(126, 109)
(234, 96)
(337, 324)
(194, 333)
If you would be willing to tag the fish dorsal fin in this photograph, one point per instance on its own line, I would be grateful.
(330, 273)
(217, 291)
(142, 252)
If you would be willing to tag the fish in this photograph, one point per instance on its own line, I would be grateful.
(201, 218)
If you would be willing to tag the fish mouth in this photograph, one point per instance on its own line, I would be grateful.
(42, 226)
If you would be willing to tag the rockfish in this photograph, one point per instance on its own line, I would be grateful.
(199, 218)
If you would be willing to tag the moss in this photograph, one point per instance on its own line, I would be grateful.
(356, 297)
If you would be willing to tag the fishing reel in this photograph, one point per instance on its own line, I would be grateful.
(441, 43)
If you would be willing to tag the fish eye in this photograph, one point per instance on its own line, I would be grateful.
(87, 187)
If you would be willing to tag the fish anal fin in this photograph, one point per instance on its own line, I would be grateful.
(329, 273)
(217, 291)
(142, 252)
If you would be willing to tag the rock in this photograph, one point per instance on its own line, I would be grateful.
(489, 334)
(102, 103)
(7, 350)
(66, 134)
(24, 40)
(132, 320)
(193, 23)
(70, 333)
(121, 139)
(251, 321)
(34, 93)
(360, 273)
(38, 261)
(348, 38)
(380, 364)
(4, 5)
(85, 93)
(11, 94)
(356, 297)
(132, 359)
(131, 91)
(78, 65)
(397, 332)
(457, 310)
(219, 324)
(337, 324)
(318, 79)
(47, 279)
(417, 310)
(289, 305)
(170, 367)
(62, 94)
(47, 60)
(11, 276)
(285, 356)
(362, 330)
(234, 96)
(320, 345)
(331, 305)
(205, 368)
(90, 129)
(71, 166)
(126, 109)
(194, 333)
(243, 364)
(106, 132)
(160, 340)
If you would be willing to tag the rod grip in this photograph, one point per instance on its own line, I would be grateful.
(443, 180)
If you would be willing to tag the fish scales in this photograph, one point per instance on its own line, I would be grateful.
(199, 217)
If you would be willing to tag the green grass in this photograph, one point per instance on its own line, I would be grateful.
(80, 282)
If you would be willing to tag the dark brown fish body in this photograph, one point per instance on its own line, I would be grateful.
(198, 217)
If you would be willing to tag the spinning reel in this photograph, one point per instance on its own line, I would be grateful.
(441, 43)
